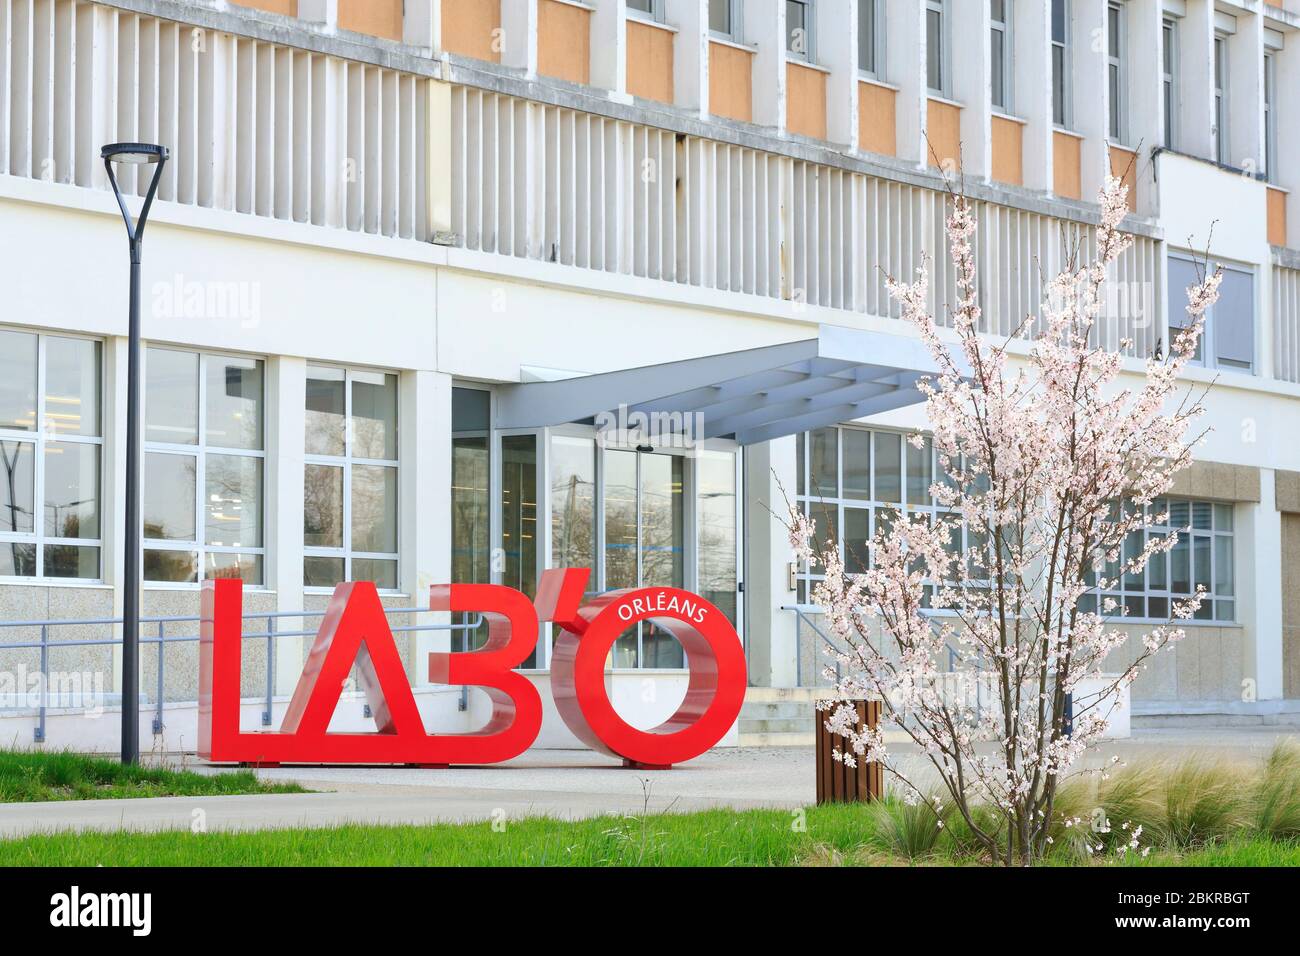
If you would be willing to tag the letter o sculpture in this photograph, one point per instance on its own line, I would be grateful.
(713, 697)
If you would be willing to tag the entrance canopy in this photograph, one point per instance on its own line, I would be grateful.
(751, 396)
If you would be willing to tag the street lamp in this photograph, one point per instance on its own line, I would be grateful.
(133, 154)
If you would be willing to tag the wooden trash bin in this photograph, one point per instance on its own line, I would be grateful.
(837, 783)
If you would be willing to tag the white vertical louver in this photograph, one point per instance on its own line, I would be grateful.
(1286, 323)
(290, 134)
(253, 127)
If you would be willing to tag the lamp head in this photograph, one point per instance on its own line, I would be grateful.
(136, 154)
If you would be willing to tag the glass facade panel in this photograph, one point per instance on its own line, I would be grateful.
(350, 507)
(171, 386)
(71, 490)
(889, 467)
(234, 402)
(327, 414)
(824, 463)
(622, 539)
(374, 415)
(72, 386)
(857, 465)
(374, 509)
(18, 486)
(867, 45)
(323, 507)
(18, 380)
(233, 502)
(716, 516)
(170, 487)
(573, 503)
(470, 556)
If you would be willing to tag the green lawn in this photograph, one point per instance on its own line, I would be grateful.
(821, 836)
(43, 776)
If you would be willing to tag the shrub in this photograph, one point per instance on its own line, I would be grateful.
(1203, 802)
(1274, 810)
(910, 830)
(1132, 795)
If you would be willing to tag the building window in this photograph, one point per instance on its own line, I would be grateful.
(1270, 117)
(1202, 557)
(1221, 148)
(1228, 339)
(870, 33)
(799, 29)
(937, 53)
(725, 19)
(1061, 85)
(647, 9)
(717, 553)
(1169, 81)
(644, 543)
(1116, 43)
(203, 466)
(1000, 66)
(851, 480)
(51, 447)
(350, 488)
(470, 480)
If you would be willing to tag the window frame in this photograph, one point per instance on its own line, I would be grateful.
(1189, 534)
(656, 13)
(1222, 142)
(810, 33)
(346, 462)
(735, 11)
(1117, 60)
(1169, 65)
(1006, 27)
(200, 451)
(944, 89)
(1270, 115)
(811, 501)
(1209, 352)
(877, 71)
(1066, 44)
(41, 436)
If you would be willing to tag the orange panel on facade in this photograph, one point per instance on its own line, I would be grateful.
(877, 119)
(731, 82)
(563, 41)
(472, 28)
(649, 61)
(287, 7)
(1123, 166)
(805, 100)
(378, 18)
(943, 129)
(1066, 177)
(1008, 151)
(1276, 217)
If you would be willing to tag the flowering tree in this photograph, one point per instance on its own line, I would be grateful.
(1054, 469)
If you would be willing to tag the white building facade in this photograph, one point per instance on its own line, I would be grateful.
(385, 225)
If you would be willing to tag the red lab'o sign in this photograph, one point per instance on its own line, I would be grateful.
(355, 631)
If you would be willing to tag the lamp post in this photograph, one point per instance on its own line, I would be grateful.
(134, 154)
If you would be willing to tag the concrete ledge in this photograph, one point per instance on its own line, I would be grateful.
(1159, 715)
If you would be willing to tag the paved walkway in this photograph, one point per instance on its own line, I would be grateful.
(565, 784)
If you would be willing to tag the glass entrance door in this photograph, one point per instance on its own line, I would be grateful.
(645, 543)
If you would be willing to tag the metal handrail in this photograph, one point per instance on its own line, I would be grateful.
(805, 613)
(271, 634)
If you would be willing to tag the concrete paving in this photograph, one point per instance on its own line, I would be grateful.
(563, 784)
